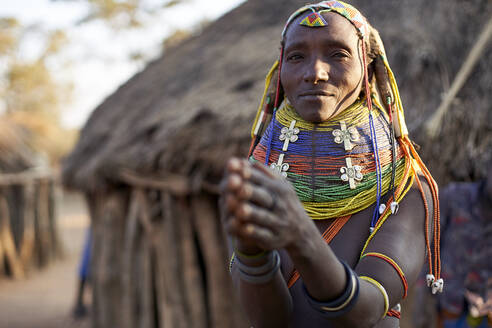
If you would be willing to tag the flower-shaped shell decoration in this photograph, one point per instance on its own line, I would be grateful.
(351, 173)
(290, 134)
(346, 136)
(280, 168)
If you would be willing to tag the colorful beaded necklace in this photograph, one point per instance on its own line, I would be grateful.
(331, 164)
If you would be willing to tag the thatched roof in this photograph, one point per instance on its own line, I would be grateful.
(189, 110)
(16, 153)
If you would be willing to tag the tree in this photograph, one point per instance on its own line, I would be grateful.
(27, 84)
(29, 93)
(125, 13)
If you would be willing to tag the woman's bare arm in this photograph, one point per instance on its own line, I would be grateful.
(258, 226)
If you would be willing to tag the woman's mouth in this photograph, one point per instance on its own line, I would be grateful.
(315, 94)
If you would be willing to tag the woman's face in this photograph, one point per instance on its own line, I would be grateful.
(322, 67)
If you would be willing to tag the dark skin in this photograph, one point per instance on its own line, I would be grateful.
(322, 68)
(330, 65)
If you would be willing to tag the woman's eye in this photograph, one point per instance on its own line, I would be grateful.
(294, 57)
(339, 54)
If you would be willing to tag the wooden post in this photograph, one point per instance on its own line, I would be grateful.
(222, 303)
(191, 271)
(94, 204)
(2, 256)
(109, 226)
(28, 239)
(149, 316)
(7, 241)
(146, 286)
(169, 263)
(129, 265)
(15, 200)
(56, 244)
(43, 245)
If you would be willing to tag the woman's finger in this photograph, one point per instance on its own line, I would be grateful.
(233, 226)
(262, 236)
(255, 194)
(257, 174)
(266, 170)
(234, 165)
(231, 203)
(234, 181)
(250, 213)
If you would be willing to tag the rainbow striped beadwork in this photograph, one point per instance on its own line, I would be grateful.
(331, 164)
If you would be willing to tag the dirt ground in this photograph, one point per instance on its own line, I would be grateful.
(45, 298)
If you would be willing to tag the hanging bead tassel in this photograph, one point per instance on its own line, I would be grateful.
(429, 279)
(435, 287)
(377, 209)
(440, 281)
(394, 207)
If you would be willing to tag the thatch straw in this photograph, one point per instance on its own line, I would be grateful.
(192, 108)
(16, 154)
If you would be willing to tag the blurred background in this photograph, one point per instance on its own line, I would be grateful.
(58, 61)
(116, 117)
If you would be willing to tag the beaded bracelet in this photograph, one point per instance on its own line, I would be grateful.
(381, 289)
(259, 275)
(344, 302)
(395, 266)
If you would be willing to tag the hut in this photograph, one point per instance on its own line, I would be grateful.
(150, 156)
(28, 228)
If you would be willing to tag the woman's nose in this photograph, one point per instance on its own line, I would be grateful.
(316, 72)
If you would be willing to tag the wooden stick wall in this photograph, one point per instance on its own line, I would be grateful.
(28, 232)
(160, 261)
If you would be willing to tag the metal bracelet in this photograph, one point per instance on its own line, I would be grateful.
(344, 302)
(257, 270)
(265, 276)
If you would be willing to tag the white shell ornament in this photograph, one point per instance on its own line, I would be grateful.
(382, 207)
(394, 207)
(440, 281)
(435, 287)
(429, 278)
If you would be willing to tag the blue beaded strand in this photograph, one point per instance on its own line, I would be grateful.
(270, 139)
(375, 215)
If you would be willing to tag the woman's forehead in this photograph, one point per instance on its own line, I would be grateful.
(337, 28)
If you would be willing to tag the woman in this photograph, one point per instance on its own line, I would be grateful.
(329, 218)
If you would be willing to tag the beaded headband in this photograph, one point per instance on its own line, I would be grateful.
(314, 18)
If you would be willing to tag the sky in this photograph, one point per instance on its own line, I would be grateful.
(96, 61)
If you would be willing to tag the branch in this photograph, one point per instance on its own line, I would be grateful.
(432, 127)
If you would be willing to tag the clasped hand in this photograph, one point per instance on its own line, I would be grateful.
(260, 209)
